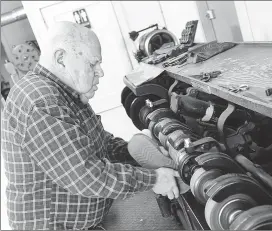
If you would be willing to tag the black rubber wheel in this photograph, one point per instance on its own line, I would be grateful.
(136, 107)
(125, 92)
(128, 102)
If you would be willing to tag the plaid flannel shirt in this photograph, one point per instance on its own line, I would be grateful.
(63, 168)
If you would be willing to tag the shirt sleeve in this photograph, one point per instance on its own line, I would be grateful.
(60, 147)
(118, 151)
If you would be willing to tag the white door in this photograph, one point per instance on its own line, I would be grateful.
(116, 62)
(220, 21)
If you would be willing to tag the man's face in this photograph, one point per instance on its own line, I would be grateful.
(84, 70)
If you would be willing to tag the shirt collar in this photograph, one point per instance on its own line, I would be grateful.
(39, 69)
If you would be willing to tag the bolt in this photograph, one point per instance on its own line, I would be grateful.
(187, 142)
(149, 103)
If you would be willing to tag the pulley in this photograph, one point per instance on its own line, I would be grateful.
(233, 183)
(257, 218)
(200, 181)
(221, 215)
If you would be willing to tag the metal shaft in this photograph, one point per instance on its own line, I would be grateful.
(256, 171)
(13, 16)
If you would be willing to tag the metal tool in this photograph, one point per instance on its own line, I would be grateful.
(207, 76)
(180, 59)
(268, 91)
(235, 88)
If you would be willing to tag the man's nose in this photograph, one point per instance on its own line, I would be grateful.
(99, 71)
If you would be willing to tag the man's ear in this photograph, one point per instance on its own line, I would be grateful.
(59, 57)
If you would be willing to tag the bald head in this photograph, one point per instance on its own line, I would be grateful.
(70, 37)
(73, 54)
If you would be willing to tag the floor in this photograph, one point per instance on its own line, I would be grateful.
(140, 212)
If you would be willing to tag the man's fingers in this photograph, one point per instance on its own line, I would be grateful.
(170, 195)
(176, 192)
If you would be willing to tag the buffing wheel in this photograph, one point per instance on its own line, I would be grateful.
(125, 92)
(200, 182)
(128, 101)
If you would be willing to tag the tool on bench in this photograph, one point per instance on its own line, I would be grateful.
(180, 59)
(235, 88)
(268, 91)
(207, 76)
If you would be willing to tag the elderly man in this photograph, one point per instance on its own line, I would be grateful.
(63, 168)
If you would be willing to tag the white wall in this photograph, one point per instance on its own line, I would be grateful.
(177, 13)
(136, 15)
(255, 20)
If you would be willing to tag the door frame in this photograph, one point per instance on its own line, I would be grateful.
(207, 25)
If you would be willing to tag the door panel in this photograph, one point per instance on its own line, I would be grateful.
(225, 23)
(116, 63)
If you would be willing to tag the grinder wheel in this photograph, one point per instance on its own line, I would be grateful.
(128, 101)
(257, 218)
(200, 181)
(220, 161)
(221, 215)
(136, 107)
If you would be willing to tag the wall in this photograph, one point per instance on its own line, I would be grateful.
(177, 13)
(133, 15)
(136, 15)
(255, 20)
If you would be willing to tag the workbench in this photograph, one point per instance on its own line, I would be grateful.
(246, 63)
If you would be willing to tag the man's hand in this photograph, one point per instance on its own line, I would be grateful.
(166, 183)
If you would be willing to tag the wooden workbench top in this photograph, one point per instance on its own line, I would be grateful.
(247, 63)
